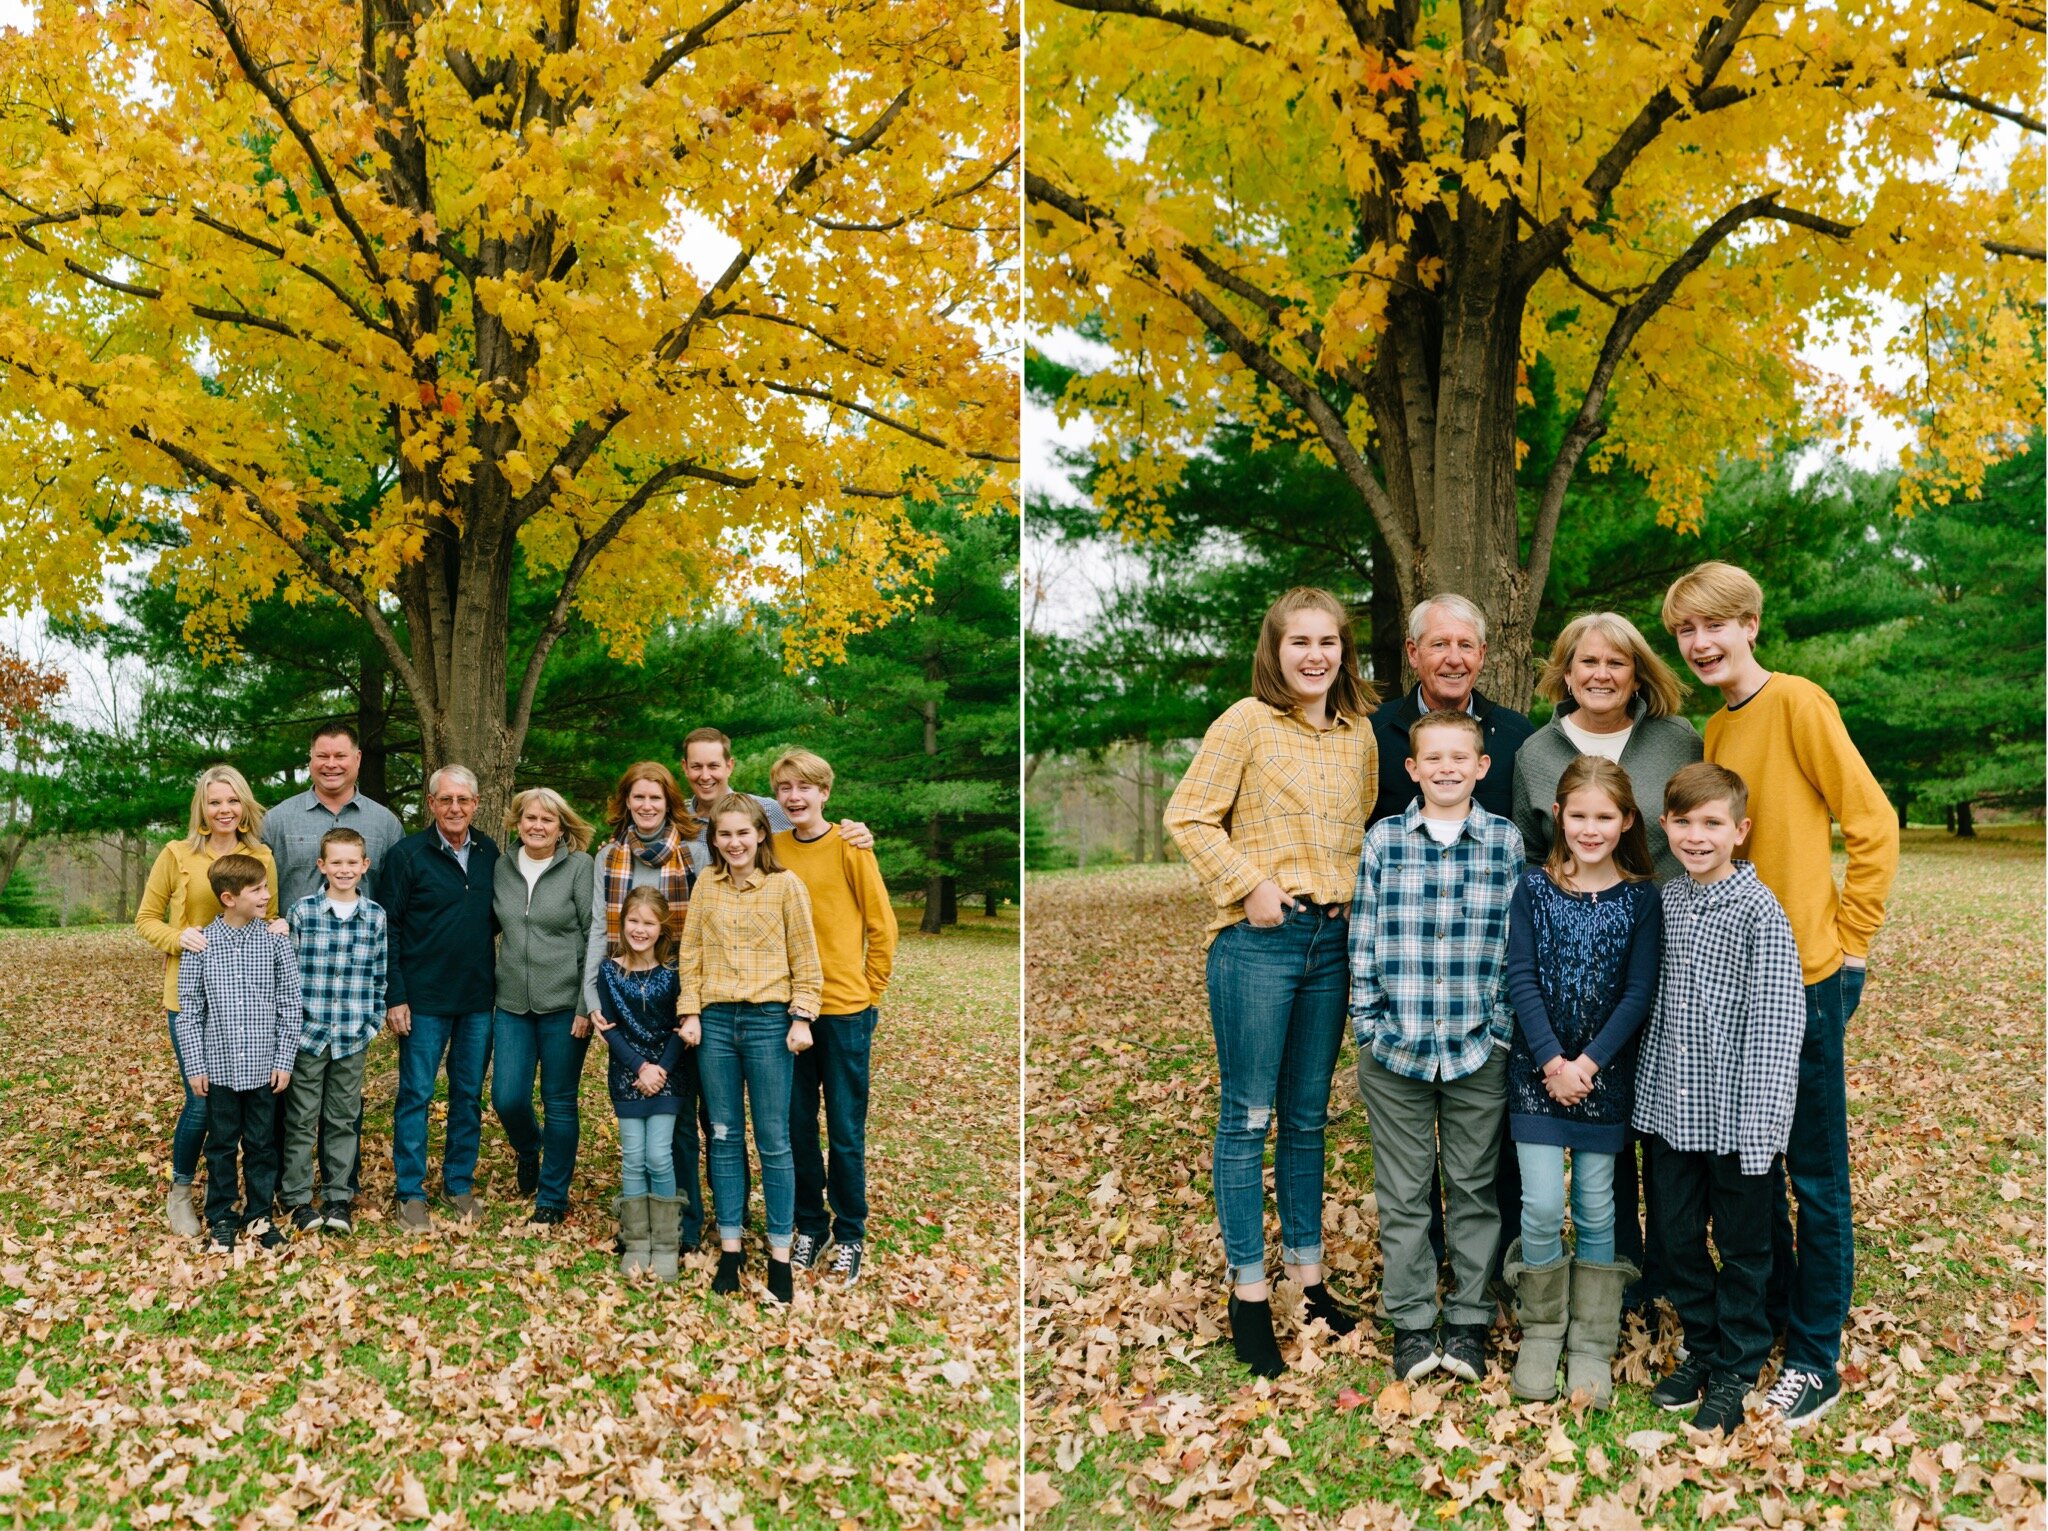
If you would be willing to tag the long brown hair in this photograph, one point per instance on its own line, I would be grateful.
(740, 802)
(650, 899)
(1351, 694)
(621, 818)
(1632, 854)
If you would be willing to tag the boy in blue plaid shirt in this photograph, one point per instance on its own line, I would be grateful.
(1430, 1014)
(343, 954)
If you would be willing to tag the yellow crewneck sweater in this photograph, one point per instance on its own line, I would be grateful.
(1788, 743)
(851, 913)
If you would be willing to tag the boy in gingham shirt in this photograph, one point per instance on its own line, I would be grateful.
(1715, 1086)
(344, 955)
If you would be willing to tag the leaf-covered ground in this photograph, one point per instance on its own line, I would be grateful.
(1137, 1415)
(507, 1376)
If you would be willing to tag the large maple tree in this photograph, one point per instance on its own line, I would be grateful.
(1359, 221)
(365, 302)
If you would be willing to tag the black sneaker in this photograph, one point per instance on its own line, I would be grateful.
(548, 1217)
(1415, 1354)
(335, 1218)
(1464, 1353)
(306, 1220)
(1799, 1397)
(529, 1174)
(1684, 1387)
(222, 1241)
(846, 1262)
(270, 1236)
(1721, 1409)
(803, 1254)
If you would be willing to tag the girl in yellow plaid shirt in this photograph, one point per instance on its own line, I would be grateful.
(1270, 816)
(750, 985)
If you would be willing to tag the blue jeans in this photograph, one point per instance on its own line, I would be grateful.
(745, 1058)
(465, 1041)
(834, 1072)
(1276, 1005)
(1542, 1167)
(1813, 1275)
(188, 1138)
(522, 1045)
(643, 1172)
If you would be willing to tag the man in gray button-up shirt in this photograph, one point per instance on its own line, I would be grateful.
(293, 828)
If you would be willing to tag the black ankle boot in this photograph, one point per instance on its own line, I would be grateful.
(779, 1283)
(1251, 1336)
(1321, 1305)
(730, 1263)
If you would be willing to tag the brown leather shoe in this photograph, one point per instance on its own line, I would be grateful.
(412, 1217)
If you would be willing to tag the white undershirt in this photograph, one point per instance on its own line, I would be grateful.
(343, 911)
(1608, 746)
(531, 870)
(1443, 831)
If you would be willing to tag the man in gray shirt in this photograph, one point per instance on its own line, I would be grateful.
(293, 829)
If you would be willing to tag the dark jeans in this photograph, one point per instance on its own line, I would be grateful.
(833, 1073)
(1813, 1275)
(1635, 1222)
(465, 1041)
(239, 1123)
(1722, 1311)
(522, 1045)
(1276, 1006)
(744, 1066)
(188, 1138)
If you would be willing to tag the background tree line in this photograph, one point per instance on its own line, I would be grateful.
(1926, 628)
(920, 721)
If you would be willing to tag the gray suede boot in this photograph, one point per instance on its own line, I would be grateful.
(634, 1234)
(1596, 1326)
(1540, 1301)
(666, 1220)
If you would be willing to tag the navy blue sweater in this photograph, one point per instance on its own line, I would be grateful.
(442, 959)
(1582, 973)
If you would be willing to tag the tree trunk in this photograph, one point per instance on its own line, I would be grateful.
(1389, 629)
(1901, 798)
(1966, 822)
(949, 900)
(1143, 781)
(937, 886)
(372, 719)
(992, 903)
(10, 852)
(1948, 818)
(1157, 824)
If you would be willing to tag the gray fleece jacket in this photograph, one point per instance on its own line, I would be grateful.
(544, 934)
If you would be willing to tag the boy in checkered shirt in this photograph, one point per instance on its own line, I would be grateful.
(239, 1016)
(1430, 1014)
(343, 955)
(1715, 1086)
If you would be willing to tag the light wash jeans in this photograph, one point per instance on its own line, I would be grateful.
(1542, 1166)
(643, 1172)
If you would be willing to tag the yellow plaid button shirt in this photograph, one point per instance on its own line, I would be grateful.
(749, 945)
(1269, 796)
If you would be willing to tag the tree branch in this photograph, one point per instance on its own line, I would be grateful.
(2030, 23)
(824, 396)
(687, 44)
(1991, 108)
(896, 223)
(1190, 21)
(2024, 252)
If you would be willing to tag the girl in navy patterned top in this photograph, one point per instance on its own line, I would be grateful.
(636, 993)
(1583, 939)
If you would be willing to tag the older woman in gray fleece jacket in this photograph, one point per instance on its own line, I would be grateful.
(1614, 698)
(540, 895)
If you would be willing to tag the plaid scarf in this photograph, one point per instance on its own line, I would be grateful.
(668, 855)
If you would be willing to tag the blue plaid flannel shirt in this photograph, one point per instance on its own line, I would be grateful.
(1429, 944)
(342, 965)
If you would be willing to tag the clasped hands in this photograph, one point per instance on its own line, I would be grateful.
(1569, 1080)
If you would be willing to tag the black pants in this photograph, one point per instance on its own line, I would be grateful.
(240, 1123)
(1635, 1222)
(1722, 1311)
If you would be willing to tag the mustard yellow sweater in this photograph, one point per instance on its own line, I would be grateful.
(1788, 743)
(850, 908)
(178, 898)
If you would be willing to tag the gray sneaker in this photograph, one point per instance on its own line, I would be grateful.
(466, 1209)
(846, 1262)
(803, 1254)
(183, 1214)
(412, 1217)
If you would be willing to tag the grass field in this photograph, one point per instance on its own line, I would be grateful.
(1138, 1416)
(507, 1376)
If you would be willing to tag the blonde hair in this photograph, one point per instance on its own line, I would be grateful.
(1714, 591)
(1663, 693)
(740, 802)
(575, 829)
(250, 830)
(803, 766)
(1632, 853)
(1351, 694)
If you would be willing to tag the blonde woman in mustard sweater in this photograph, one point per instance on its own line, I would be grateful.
(177, 905)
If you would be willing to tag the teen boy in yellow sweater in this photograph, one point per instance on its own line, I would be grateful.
(1783, 735)
(857, 946)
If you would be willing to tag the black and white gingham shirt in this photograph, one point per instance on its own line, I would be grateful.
(238, 1006)
(1719, 1068)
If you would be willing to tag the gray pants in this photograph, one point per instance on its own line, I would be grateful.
(323, 1105)
(1410, 1118)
